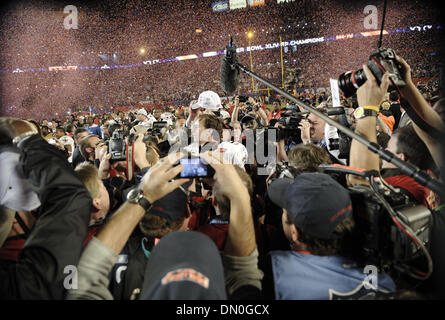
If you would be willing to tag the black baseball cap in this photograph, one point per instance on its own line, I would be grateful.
(247, 118)
(184, 265)
(315, 202)
(172, 206)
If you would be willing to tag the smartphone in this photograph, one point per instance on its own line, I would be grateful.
(195, 168)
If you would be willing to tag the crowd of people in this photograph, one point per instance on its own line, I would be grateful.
(222, 199)
(35, 38)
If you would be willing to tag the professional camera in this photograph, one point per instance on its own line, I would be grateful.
(121, 149)
(157, 128)
(117, 146)
(343, 142)
(393, 230)
(290, 119)
(380, 61)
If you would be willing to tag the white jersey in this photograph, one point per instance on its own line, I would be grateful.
(67, 140)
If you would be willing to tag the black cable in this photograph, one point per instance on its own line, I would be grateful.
(407, 168)
(379, 44)
(409, 232)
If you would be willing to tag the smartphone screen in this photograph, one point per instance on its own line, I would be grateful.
(195, 168)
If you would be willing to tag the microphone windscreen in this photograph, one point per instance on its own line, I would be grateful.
(229, 75)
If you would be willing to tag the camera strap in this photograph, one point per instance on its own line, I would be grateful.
(130, 161)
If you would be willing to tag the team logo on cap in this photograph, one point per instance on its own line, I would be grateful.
(186, 275)
(359, 293)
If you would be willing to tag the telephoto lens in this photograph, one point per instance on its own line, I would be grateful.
(350, 81)
(380, 61)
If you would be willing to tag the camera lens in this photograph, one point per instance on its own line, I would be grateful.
(350, 81)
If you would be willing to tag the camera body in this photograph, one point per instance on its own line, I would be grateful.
(380, 61)
(343, 142)
(157, 128)
(117, 146)
(384, 244)
(389, 223)
(290, 121)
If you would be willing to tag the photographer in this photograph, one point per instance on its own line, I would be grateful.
(87, 147)
(250, 110)
(289, 127)
(406, 145)
(322, 264)
(413, 150)
(312, 130)
(316, 131)
(242, 277)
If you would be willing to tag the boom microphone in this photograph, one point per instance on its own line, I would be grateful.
(229, 69)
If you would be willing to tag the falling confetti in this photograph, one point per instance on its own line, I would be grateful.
(48, 69)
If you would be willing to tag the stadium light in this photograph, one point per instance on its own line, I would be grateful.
(142, 50)
(250, 34)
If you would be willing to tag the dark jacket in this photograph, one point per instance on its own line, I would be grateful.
(77, 157)
(128, 273)
(56, 239)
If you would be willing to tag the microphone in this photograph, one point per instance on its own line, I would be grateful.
(229, 69)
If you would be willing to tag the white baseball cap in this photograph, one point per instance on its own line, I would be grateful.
(224, 114)
(233, 153)
(142, 111)
(209, 100)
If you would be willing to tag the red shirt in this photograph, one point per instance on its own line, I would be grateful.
(11, 249)
(421, 193)
(274, 115)
(90, 234)
(216, 232)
